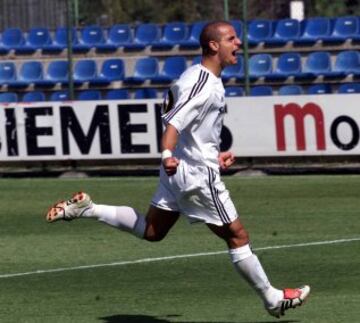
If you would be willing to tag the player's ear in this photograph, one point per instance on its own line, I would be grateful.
(214, 46)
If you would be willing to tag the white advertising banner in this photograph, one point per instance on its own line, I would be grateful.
(271, 126)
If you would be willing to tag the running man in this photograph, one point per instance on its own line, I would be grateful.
(190, 182)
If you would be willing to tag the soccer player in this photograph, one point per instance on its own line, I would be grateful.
(190, 182)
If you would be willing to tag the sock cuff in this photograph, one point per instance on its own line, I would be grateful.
(240, 253)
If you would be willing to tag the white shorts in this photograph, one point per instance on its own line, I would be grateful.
(197, 192)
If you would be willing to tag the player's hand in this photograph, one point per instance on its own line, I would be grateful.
(170, 165)
(226, 159)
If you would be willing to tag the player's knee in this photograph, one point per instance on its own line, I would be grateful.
(154, 235)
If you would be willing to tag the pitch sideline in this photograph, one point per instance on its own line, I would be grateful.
(155, 259)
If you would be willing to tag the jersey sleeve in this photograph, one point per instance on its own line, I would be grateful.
(186, 109)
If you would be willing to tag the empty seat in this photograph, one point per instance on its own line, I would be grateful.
(60, 96)
(8, 97)
(292, 89)
(173, 34)
(288, 64)
(13, 39)
(259, 31)
(348, 62)
(235, 71)
(319, 64)
(57, 72)
(90, 37)
(286, 30)
(260, 65)
(313, 30)
(34, 96)
(89, 95)
(237, 24)
(84, 71)
(192, 42)
(36, 39)
(349, 88)
(261, 90)
(118, 36)
(173, 67)
(145, 69)
(231, 91)
(145, 35)
(111, 70)
(7, 72)
(319, 89)
(117, 94)
(31, 72)
(343, 28)
(60, 40)
(145, 93)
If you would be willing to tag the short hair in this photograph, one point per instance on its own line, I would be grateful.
(210, 32)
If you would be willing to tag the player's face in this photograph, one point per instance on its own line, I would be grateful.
(229, 45)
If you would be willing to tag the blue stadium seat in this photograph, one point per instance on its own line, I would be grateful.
(34, 96)
(13, 39)
(145, 35)
(84, 71)
(349, 88)
(117, 94)
(237, 24)
(60, 96)
(118, 36)
(7, 73)
(89, 95)
(319, 89)
(288, 64)
(259, 31)
(90, 37)
(112, 70)
(57, 72)
(145, 93)
(173, 34)
(343, 28)
(319, 64)
(261, 90)
(8, 97)
(348, 62)
(313, 30)
(36, 39)
(173, 67)
(145, 69)
(285, 30)
(234, 71)
(192, 42)
(60, 41)
(231, 91)
(196, 60)
(31, 72)
(260, 65)
(292, 89)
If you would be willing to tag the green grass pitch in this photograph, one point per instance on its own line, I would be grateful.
(290, 211)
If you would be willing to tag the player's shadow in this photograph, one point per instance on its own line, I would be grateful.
(153, 319)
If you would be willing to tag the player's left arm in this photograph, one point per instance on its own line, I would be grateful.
(226, 159)
(168, 143)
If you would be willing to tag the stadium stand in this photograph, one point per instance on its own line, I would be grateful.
(145, 93)
(117, 94)
(261, 90)
(349, 88)
(59, 96)
(89, 95)
(231, 91)
(319, 54)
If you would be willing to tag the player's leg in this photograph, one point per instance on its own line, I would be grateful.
(248, 265)
(153, 227)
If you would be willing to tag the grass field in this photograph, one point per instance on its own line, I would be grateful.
(84, 271)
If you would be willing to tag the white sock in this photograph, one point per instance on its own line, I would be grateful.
(122, 217)
(249, 266)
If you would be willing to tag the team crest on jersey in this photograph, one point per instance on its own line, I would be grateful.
(168, 103)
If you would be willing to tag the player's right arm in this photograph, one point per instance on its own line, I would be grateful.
(168, 143)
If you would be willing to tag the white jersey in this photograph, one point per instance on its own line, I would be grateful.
(195, 106)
